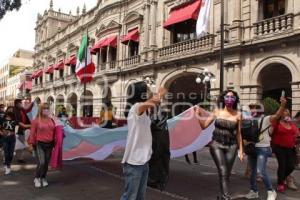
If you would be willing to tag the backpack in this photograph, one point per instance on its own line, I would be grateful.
(251, 130)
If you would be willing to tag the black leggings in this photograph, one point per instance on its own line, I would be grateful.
(9, 143)
(224, 158)
(286, 158)
(43, 155)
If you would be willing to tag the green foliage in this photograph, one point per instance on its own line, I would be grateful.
(9, 5)
(270, 106)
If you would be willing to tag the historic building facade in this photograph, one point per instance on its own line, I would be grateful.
(12, 76)
(155, 40)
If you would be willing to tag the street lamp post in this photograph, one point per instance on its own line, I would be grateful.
(205, 77)
(222, 49)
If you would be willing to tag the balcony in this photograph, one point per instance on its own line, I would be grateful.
(186, 47)
(59, 82)
(274, 25)
(133, 60)
(48, 84)
(112, 65)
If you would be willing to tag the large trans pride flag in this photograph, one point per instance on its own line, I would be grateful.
(98, 143)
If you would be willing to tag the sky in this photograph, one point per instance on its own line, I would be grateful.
(17, 27)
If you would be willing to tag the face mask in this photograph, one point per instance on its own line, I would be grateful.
(46, 112)
(229, 101)
(287, 119)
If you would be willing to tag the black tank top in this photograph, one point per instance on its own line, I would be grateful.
(225, 131)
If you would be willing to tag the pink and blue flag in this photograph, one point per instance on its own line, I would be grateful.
(98, 143)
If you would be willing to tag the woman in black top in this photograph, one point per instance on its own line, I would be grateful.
(8, 130)
(226, 136)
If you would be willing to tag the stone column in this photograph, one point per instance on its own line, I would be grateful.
(237, 77)
(255, 16)
(250, 94)
(237, 10)
(290, 6)
(146, 25)
(153, 23)
(107, 58)
(295, 97)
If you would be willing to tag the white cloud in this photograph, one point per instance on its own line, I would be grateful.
(17, 27)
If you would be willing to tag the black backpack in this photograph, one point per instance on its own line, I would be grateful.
(250, 130)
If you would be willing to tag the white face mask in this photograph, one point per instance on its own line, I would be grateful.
(287, 118)
(46, 112)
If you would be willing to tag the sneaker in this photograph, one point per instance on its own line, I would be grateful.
(37, 183)
(281, 188)
(252, 195)
(290, 183)
(7, 170)
(44, 182)
(272, 195)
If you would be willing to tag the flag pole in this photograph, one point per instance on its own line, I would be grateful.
(84, 74)
(222, 49)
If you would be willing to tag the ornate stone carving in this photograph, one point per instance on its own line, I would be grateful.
(132, 17)
(111, 26)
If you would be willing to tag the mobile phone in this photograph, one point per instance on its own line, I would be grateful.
(282, 93)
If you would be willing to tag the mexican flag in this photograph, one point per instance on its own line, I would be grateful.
(85, 67)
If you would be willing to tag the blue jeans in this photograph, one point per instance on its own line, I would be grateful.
(258, 165)
(136, 177)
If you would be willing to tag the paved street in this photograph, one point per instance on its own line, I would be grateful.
(85, 179)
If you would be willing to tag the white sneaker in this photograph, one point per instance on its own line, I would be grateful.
(44, 182)
(252, 195)
(272, 195)
(37, 183)
(7, 170)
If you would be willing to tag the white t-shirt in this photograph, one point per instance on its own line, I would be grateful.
(264, 139)
(138, 149)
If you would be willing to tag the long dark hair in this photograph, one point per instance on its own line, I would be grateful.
(136, 93)
(221, 101)
(297, 114)
(11, 114)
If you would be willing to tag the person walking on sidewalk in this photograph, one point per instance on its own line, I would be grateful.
(284, 143)
(8, 132)
(42, 137)
(258, 160)
(226, 137)
(24, 125)
(138, 149)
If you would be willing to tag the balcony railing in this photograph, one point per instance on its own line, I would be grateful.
(274, 25)
(112, 65)
(187, 46)
(133, 60)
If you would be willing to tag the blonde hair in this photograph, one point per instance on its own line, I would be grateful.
(41, 107)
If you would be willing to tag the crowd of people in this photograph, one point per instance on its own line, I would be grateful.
(277, 135)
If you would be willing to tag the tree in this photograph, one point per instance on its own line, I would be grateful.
(9, 5)
(271, 106)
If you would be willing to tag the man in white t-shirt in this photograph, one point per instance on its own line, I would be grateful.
(138, 149)
(258, 162)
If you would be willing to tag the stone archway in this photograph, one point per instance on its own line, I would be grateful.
(50, 101)
(72, 104)
(86, 101)
(59, 103)
(274, 78)
(184, 92)
(38, 100)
